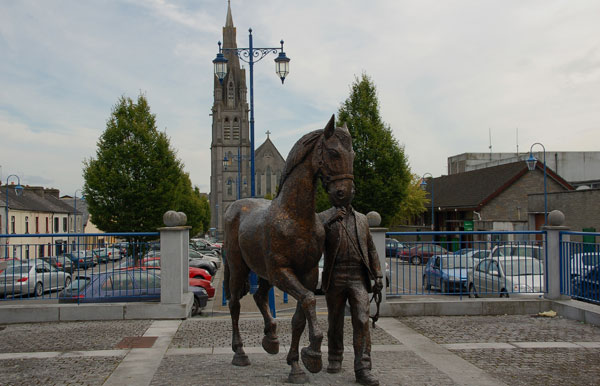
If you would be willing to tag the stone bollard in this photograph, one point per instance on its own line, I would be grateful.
(174, 255)
(378, 235)
(556, 220)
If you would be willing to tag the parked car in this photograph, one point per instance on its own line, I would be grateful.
(122, 286)
(32, 277)
(202, 244)
(581, 263)
(61, 263)
(107, 254)
(82, 259)
(478, 254)
(517, 250)
(587, 287)
(194, 272)
(213, 258)
(505, 275)
(449, 273)
(392, 247)
(421, 253)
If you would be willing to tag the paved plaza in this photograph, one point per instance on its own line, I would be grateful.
(470, 350)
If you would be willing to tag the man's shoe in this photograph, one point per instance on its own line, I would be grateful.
(334, 367)
(364, 377)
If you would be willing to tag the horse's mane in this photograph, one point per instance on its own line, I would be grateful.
(298, 153)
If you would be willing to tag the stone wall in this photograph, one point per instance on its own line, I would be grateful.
(581, 207)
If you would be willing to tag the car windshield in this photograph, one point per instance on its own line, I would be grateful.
(455, 262)
(518, 267)
(77, 285)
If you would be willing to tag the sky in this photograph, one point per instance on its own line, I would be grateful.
(452, 76)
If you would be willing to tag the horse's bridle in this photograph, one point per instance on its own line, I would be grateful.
(326, 177)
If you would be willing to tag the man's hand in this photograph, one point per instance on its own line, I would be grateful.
(378, 285)
(341, 212)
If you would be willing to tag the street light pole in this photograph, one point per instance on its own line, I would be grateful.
(18, 192)
(424, 186)
(248, 55)
(531, 161)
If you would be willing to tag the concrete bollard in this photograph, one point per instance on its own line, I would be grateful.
(556, 220)
(174, 252)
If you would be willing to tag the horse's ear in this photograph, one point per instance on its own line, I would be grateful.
(330, 128)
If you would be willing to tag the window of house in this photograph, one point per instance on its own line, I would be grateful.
(47, 229)
(55, 224)
(37, 224)
(26, 224)
(40, 251)
(64, 224)
(12, 224)
(27, 251)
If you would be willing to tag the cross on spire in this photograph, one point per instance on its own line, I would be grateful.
(267, 133)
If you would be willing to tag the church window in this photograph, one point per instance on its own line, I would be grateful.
(227, 130)
(236, 129)
(258, 182)
(268, 179)
(229, 187)
(230, 94)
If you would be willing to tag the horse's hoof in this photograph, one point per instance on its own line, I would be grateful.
(311, 359)
(271, 345)
(240, 360)
(297, 376)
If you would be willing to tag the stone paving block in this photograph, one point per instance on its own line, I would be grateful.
(57, 371)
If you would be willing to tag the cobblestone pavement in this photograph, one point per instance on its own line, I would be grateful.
(470, 350)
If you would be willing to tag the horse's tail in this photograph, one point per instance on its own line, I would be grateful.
(226, 275)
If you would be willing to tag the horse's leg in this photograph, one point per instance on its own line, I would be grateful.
(238, 275)
(287, 281)
(270, 342)
(297, 375)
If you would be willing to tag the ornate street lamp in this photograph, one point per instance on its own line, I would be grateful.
(531, 162)
(18, 191)
(252, 55)
(424, 187)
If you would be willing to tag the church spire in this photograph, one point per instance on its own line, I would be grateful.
(229, 20)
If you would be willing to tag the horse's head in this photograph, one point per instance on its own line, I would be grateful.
(335, 157)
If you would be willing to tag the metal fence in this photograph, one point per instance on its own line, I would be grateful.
(465, 263)
(580, 265)
(76, 268)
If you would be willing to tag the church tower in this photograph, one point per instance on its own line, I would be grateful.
(230, 146)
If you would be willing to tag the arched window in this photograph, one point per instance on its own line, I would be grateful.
(230, 94)
(236, 129)
(227, 130)
(229, 187)
(268, 177)
(26, 224)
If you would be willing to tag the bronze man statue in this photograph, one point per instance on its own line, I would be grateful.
(351, 262)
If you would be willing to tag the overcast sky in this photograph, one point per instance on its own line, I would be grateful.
(447, 72)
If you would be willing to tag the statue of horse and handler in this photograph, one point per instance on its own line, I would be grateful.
(282, 241)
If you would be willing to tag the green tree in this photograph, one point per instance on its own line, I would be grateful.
(413, 204)
(381, 171)
(136, 176)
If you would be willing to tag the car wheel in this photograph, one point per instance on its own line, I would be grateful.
(39, 289)
(472, 292)
(415, 260)
(426, 284)
(196, 307)
(503, 294)
(67, 282)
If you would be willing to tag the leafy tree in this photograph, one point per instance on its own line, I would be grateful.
(381, 171)
(136, 176)
(413, 204)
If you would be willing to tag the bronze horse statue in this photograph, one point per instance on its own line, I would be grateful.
(282, 241)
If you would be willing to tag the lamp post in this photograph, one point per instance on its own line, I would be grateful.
(252, 55)
(239, 158)
(531, 161)
(18, 192)
(424, 187)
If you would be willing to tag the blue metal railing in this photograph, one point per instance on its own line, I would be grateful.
(580, 265)
(465, 263)
(79, 267)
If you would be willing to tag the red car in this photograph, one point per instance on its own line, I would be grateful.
(210, 290)
(197, 273)
(421, 253)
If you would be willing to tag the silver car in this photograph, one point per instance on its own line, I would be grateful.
(32, 277)
(501, 276)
